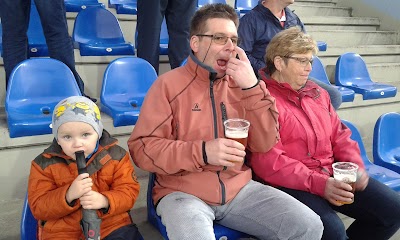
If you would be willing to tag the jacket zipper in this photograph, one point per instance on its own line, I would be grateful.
(224, 115)
(223, 197)
(216, 136)
(213, 108)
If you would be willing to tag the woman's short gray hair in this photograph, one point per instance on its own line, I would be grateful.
(286, 43)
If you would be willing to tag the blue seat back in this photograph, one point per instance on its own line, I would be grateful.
(127, 79)
(384, 175)
(318, 71)
(386, 141)
(351, 70)
(164, 38)
(34, 88)
(245, 5)
(113, 2)
(97, 25)
(36, 39)
(356, 136)
(221, 232)
(28, 225)
(78, 5)
(200, 3)
(40, 80)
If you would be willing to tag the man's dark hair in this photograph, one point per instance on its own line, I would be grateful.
(209, 11)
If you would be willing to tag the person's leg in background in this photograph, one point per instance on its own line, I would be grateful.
(54, 22)
(334, 228)
(178, 16)
(14, 16)
(335, 95)
(149, 18)
(376, 210)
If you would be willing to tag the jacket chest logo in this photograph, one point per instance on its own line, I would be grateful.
(196, 108)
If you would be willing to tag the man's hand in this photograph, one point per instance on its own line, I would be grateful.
(81, 185)
(338, 191)
(240, 70)
(94, 200)
(224, 152)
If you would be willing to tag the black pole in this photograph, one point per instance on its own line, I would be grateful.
(90, 222)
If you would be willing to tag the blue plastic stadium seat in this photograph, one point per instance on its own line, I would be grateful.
(78, 5)
(386, 141)
(244, 6)
(124, 6)
(125, 84)
(352, 72)
(318, 72)
(384, 175)
(36, 39)
(97, 33)
(164, 38)
(29, 225)
(34, 88)
(322, 46)
(221, 232)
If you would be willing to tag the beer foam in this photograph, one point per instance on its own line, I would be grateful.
(236, 134)
(348, 178)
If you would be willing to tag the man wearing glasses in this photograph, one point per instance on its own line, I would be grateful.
(200, 174)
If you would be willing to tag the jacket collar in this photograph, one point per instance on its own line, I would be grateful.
(105, 142)
(203, 71)
(310, 89)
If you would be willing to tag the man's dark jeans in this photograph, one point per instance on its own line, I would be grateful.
(376, 210)
(178, 14)
(14, 16)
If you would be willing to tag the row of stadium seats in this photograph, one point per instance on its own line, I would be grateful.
(352, 76)
(37, 85)
(28, 227)
(96, 32)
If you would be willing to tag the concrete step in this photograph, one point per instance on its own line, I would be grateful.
(345, 38)
(326, 3)
(370, 53)
(320, 23)
(315, 10)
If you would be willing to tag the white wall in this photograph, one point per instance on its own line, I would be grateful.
(386, 10)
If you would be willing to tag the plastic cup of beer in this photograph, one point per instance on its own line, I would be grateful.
(346, 172)
(237, 129)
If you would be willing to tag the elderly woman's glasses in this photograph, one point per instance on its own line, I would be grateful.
(302, 60)
(220, 39)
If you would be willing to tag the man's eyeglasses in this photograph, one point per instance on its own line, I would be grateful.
(302, 60)
(221, 39)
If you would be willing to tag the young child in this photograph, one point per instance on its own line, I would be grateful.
(57, 194)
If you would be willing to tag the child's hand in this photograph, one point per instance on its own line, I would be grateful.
(81, 185)
(94, 200)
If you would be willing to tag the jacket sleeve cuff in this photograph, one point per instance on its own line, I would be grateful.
(203, 147)
(319, 184)
(258, 81)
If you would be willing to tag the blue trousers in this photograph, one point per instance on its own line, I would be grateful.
(376, 211)
(178, 14)
(14, 16)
